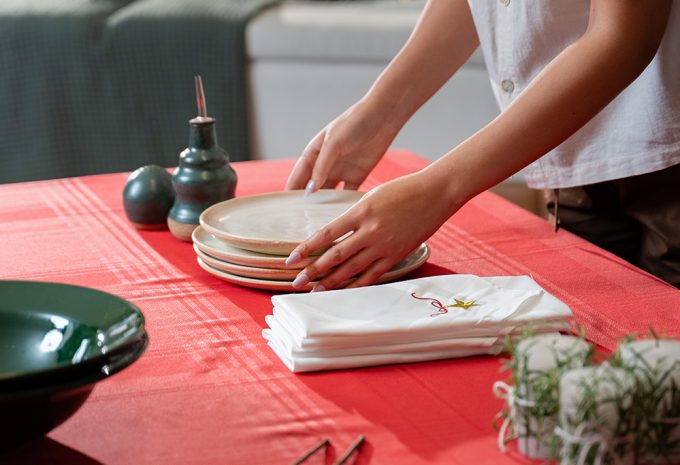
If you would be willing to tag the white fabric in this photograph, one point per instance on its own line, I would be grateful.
(637, 133)
(285, 339)
(303, 364)
(407, 321)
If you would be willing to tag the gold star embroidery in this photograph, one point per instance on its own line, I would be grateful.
(464, 304)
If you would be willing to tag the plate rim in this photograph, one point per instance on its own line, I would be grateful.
(81, 375)
(273, 247)
(273, 261)
(240, 268)
(64, 374)
(287, 285)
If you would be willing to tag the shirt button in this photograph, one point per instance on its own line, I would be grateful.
(507, 85)
(505, 2)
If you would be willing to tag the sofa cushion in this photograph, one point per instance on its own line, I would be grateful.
(333, 31)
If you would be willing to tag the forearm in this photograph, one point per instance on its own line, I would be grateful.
(441, 42)
(570, 91)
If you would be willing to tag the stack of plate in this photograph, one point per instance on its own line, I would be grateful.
(246, 240)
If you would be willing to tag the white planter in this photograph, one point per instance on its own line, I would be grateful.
(656, 365)
(595, 418)
(534, 441)
(531, 405)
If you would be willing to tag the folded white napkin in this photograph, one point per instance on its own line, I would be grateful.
(302, 364)
(422, 319)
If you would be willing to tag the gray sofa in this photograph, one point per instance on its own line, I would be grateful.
(91, 86)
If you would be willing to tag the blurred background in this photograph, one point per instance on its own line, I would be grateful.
(95, 86)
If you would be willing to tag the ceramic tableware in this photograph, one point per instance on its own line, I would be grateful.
(246, 271)
(203, 176)
(56, 342)
(410, 263)
(275, 223)
(148, 196)
(211, 245)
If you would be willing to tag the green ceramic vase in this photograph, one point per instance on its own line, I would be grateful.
(203, 178)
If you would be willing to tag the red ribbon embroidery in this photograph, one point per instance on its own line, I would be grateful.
(441, 309)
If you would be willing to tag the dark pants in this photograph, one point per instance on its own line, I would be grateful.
(636, 218)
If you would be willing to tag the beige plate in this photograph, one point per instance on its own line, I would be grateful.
(210, 245)
(246, 271)
(410, 263)
(275, 223)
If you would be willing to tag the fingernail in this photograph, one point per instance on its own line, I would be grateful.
(311, 185)
(319, 288)
(301, 280)
(293, 258)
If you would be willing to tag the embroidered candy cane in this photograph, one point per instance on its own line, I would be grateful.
(434, 302)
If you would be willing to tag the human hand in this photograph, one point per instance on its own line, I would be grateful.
(387, 224)
(344, 151)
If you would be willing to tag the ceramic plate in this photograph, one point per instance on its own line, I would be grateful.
(246, 271)
(49, 330)
(217, 248)
(275, 223)
(410, 263)
(56, 342)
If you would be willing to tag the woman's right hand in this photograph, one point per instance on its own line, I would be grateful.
(344, 151)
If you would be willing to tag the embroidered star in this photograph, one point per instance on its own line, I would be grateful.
(464, 304)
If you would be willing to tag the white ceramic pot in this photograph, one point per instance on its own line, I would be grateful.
(656, 365)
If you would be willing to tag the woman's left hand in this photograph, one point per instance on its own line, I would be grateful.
(387, 224)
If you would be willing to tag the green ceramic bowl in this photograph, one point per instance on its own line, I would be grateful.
(56, 342)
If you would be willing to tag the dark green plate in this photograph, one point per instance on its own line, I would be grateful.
(56, 342)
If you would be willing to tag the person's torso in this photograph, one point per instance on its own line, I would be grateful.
(638, 132)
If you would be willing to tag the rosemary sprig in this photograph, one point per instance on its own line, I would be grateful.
(536, 416)
(658, 402)
(597, 406)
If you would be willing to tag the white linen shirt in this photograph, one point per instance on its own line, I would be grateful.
(637, 133)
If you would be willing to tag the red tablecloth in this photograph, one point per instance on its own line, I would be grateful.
(210, 391)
